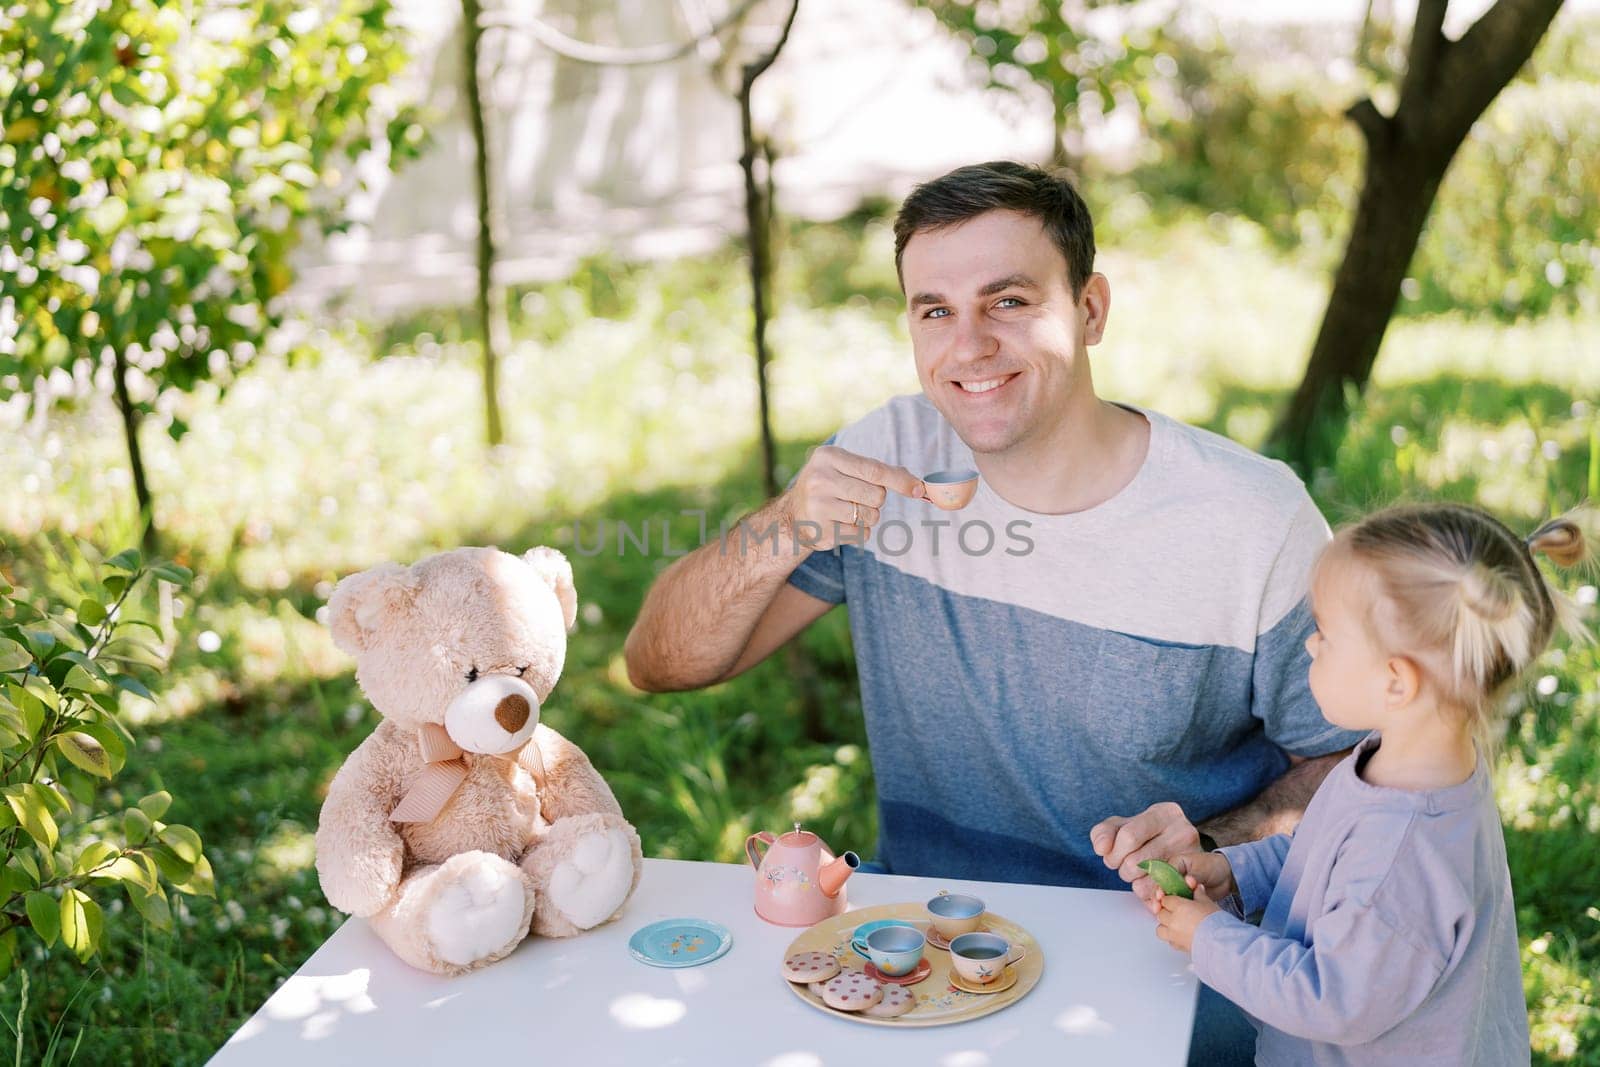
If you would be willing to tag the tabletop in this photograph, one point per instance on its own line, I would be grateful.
(1111, 992)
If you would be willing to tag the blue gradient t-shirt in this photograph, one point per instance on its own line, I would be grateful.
(1024, 676)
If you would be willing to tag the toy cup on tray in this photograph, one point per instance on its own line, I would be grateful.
(954, 914)
(981, 958)
(894, 949)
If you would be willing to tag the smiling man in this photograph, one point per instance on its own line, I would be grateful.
(1103, 649)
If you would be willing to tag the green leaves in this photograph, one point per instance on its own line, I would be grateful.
(45, 914)
(209, 170)
(136, 826)
(156, 804)
(81, 923)
(13, 657)
(183, 841)
(65, 663)
(152, 905)
(85, 753)
(126, 560)
(91, 612)
(30, 806)
(171, 572)
(97, 855)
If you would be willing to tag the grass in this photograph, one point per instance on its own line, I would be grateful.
(629, 397)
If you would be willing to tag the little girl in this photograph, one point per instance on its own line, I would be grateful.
(1388, 933)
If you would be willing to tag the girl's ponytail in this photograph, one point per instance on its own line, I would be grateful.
(1563, 542)
(1495, 626)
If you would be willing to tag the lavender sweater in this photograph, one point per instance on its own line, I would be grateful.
(1388, 936)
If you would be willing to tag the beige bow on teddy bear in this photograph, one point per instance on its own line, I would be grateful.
(462, 821)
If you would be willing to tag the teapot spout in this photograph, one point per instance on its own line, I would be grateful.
(832, 876)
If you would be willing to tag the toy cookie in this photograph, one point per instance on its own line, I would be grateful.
(897, 1000)
(810, 967)
(851, 991)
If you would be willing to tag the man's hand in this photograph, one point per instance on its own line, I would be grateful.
(1211, 870)
(836, 497)
(1176, 917)
(1159, 832)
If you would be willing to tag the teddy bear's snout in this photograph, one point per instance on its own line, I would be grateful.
(494, 714)
(511, 713)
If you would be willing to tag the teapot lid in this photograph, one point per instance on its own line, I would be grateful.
(798, 838)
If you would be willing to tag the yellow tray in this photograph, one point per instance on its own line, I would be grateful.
(938, 1003)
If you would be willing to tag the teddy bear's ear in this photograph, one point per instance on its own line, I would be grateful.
(364, 603)
(553, 567)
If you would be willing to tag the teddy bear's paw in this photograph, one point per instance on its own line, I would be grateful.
(591, 883)
(476, 913)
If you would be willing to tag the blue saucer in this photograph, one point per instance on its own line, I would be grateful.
(680, 942)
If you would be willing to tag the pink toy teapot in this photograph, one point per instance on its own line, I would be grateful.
(798, 880)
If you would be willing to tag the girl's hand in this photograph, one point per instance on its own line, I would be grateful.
(1176, 917)
(1211, 870)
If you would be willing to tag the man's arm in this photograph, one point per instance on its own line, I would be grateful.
(1277, 808)
(722, 608)
(727, 606)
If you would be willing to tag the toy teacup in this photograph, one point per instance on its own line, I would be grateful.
(982, 958)
(954, 914)
(894, 950)
(950, 490)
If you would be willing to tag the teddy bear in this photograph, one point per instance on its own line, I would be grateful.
(462, 821)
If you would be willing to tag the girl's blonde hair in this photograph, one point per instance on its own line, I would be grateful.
(1462, 595)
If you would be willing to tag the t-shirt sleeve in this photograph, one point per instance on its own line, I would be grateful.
(821, 574)
(1361, 978)
(1256, 865)
(1368, 965)
(1280, 686)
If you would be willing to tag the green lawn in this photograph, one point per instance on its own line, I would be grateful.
(629, 396)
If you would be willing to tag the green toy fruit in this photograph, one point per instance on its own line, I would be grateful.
(1167, 877)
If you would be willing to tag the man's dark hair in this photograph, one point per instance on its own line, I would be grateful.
(967, 192)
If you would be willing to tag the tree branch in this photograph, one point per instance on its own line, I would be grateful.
(1374, 125)
(603, 55)
(752, 71)
(1474, 69)
(1428, 43)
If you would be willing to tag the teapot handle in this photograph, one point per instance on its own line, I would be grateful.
(766, 838)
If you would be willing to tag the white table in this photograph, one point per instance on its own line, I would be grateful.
(1111, 993)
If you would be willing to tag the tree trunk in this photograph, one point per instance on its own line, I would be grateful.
(1447, 85)
(149, 541)
(1060, 158)
(491, 300)
(1395, 198)
(757, 223)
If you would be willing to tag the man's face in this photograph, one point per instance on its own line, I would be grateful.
(998, 338)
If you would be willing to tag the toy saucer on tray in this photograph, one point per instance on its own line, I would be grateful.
(680, 942)
(915, 975)
(999, 985)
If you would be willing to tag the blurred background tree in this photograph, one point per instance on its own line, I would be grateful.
(1093, 59)
(1446, 86)
(1086, 59)
(159, 164)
